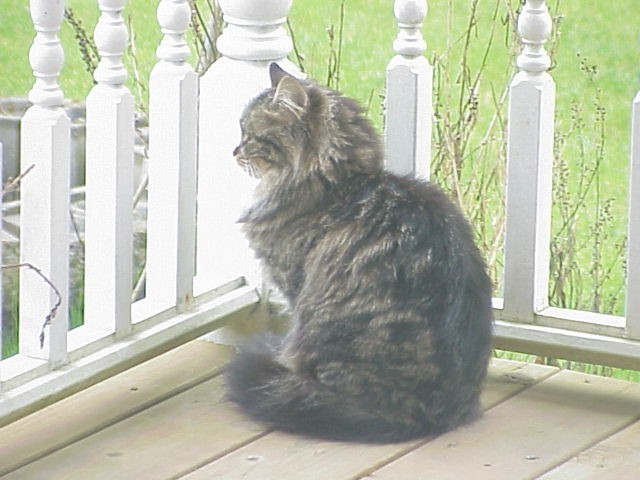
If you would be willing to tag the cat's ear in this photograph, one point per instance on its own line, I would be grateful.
(291, 93)
(276, 73)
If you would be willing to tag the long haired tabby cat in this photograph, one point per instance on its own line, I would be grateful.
(389, 297)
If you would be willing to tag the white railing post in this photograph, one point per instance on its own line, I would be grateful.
(44, 219)
(529, 170)
(409, 111)
(171, 209)
(1, 282)
(253, 38)
(632, 311)
(109, 181)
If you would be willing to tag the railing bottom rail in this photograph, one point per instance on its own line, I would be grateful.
(161, 333)
(563, 342)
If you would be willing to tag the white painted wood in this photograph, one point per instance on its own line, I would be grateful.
(19, 369)
(171, 208)
(109, 402)
(581, 321)
(529, 170)
(111, 38)
(1, 289)
(254, 38)
(46, 55)
(567, 344)
(44, 222)
(109, 181)
(255, 30)
(632, 312)
(167, 331)
(408, 103)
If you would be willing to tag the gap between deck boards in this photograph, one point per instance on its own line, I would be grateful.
(166, 419)
(113, 400)
(171, 375)
(286, 457)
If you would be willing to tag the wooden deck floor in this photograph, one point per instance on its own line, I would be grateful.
(166, 419)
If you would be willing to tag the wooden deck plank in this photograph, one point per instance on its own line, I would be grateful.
(164, 441)
(174, 424)
(108, 402)
(507, 378)
(527, 435)
(615, 458)
(289, 457)
(281, 456)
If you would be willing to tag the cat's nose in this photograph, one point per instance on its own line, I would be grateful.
(237, 154)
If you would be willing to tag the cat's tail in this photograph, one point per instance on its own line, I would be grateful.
(271, 393)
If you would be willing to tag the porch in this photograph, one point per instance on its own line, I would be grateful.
(69, 408)
(167, 419)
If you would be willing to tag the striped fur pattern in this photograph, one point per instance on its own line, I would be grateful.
(389, 296)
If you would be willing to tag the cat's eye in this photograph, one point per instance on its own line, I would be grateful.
(267, 140)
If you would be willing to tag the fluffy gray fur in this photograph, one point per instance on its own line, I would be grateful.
(389, 296)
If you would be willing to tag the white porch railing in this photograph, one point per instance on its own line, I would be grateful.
(200, 273)
(525, 320)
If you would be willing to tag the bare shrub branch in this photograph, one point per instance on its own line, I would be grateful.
(54, 310)
(14, 184)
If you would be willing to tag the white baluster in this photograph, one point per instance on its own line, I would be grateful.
(534, 27)
(111, 38)
(253, 38)
(632, 311)
(1, 283)
(46, 55)
(173, 17)
(255, 30)
(529, 170)
(1, 196)
(45, 145)
(408, 101)
(109, 181)
(173, 117)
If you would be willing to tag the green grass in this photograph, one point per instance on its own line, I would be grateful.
(16, 35)
(367, 49)
(587, 38)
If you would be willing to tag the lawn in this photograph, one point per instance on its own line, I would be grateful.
(367, 49)
(596, 68)
(587, 43)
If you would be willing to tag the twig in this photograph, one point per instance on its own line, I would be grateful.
(14, 184)
(296, 51)
(76, 228)
(205, 33)
(201, 27)
(137, 77)
(86, 44)
(340, 38)
(335, 51)
(142, 187)
(54, 310)
(139, 287)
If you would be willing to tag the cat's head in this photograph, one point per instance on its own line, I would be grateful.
(298, 129)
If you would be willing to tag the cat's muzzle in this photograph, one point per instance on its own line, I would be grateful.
(248, 167)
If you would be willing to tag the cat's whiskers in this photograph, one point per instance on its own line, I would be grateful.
(254, 171)
(249, 167)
